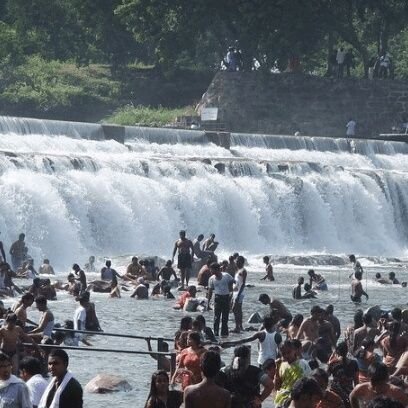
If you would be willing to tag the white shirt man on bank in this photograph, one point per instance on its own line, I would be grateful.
(351, 128)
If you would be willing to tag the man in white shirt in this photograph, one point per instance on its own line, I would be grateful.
(340, 57)
(30, 372)
(350, 128)
(221, 284)
(80, 319)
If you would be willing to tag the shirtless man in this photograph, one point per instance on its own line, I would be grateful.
(204, 274)
(199, 253)
(232, 266)
(209, 244)
(18, 252)
(297, 290)
(46, 268)
(309, 329)
(268, 269)
(185, 256)
(10, 336)
(90, 266)
(81, 277)
(356, 265)
(133, 270)
(207, 393)
(377, 386)
(368, 331)
(21, 311)
(46, 323)
(357, 288)
(317, 281)
(167, 272)
(278, 309)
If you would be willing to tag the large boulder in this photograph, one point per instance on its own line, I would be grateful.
(106, 383)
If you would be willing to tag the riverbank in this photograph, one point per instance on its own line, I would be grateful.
(134, 95)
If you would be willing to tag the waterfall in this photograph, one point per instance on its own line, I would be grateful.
(75, 194)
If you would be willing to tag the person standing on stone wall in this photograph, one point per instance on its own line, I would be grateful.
(351, 128)
(340, 62)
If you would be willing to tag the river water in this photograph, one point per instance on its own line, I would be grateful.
(275, 195)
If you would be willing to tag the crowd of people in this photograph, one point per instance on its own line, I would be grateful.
(303, 362)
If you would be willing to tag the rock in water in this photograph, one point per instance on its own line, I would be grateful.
(255, 318)
(105, 383)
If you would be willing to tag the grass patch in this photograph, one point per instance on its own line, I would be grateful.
(147, 116)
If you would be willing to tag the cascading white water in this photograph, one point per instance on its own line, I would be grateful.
(75, 197)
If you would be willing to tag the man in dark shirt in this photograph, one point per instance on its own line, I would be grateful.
(64, 390)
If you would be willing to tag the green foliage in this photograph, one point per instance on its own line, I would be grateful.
(147, 116)
(40, 87)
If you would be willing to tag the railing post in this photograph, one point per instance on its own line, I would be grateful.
(172, 364)
(160, 347)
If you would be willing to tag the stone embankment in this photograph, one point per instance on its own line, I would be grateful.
(315, 106)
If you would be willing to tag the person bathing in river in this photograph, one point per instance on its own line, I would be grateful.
(380, 279)
(357, 288)
(356, 265)
(46, 268)
(297, 290)
(185, 250)
(309, 293)
(81, 277)
(268, 269)
(167, 272)
(318, 281)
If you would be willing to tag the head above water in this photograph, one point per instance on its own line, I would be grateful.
(240, 261)
(391, 275)
(358, 275)
(352, 258)
(301, 280)
(75, 267)
(266, 259)
(108, 263)
(182, 234)
(200, 237)
(311, 272)
(264, 299)
(21, 237)
(210, 364)
(169, 263)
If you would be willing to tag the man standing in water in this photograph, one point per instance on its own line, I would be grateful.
(185, 257)
(18, 252)
(357, 288)
(221, 284)
(356, 265)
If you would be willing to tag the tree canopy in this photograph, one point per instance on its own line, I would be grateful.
(195, 34)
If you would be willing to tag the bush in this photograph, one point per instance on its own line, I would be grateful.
(41, 88)
(147, 116)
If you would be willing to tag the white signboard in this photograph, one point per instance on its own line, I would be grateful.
(209, 114)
